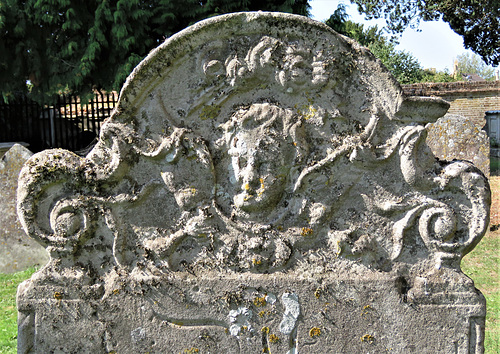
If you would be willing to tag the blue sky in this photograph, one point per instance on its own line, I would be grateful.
(435, 46)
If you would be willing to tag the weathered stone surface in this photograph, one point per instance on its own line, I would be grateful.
(17, 250)
(264, 186)
(455, 137)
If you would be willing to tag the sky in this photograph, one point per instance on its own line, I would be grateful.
(435, 46)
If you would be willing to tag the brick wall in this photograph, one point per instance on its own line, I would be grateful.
(469, 99)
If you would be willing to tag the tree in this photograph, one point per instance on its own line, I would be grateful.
(472, 64)
(476, 21)
(77, 46)
(403, 65)
(439, 76)
(339, 21)
(405, 68)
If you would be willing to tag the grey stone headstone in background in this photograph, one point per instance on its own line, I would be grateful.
(17, 250)
(457, 137)
(263, 186)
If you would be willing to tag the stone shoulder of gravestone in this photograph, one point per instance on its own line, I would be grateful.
(263, 185)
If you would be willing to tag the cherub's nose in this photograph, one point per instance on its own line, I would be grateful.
(250, 174)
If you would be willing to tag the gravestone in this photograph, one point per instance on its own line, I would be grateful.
(457, 137)
(263, 186)
(17, 250)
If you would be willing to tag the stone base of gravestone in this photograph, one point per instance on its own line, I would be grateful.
(17, 250)
(456, 137)
(369, 313)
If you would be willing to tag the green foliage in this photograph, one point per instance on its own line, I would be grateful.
(473, 64)
(77, 46)
(483, 266)
(404, 66)
(476, 21)
(8, 311)
(339, 21)
(440, 76)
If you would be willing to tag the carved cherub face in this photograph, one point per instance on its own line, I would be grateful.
(297, 67)
(261, 158)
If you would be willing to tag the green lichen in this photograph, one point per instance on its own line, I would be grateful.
(210, 112)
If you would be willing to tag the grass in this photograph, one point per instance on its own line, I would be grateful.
(8, 311)
(483, 266)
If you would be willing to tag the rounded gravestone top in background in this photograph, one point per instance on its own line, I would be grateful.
(17, 250)
(457, 137)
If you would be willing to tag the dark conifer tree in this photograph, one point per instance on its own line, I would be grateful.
(80, 45)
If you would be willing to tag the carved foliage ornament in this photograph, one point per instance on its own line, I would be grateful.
(231, 151)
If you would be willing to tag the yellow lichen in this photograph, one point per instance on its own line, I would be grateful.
(247, 197)
(58, 295)
(260, 301)
(265, 330)
(262, 187)
(191, 350)
(273, 338)
(339, 249)
(264, 313)
(366, 309)
(314, 332)
(317, 293)
(306, 231)
(311, 111)
(368, 338)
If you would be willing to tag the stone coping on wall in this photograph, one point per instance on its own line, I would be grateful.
(450, 88)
